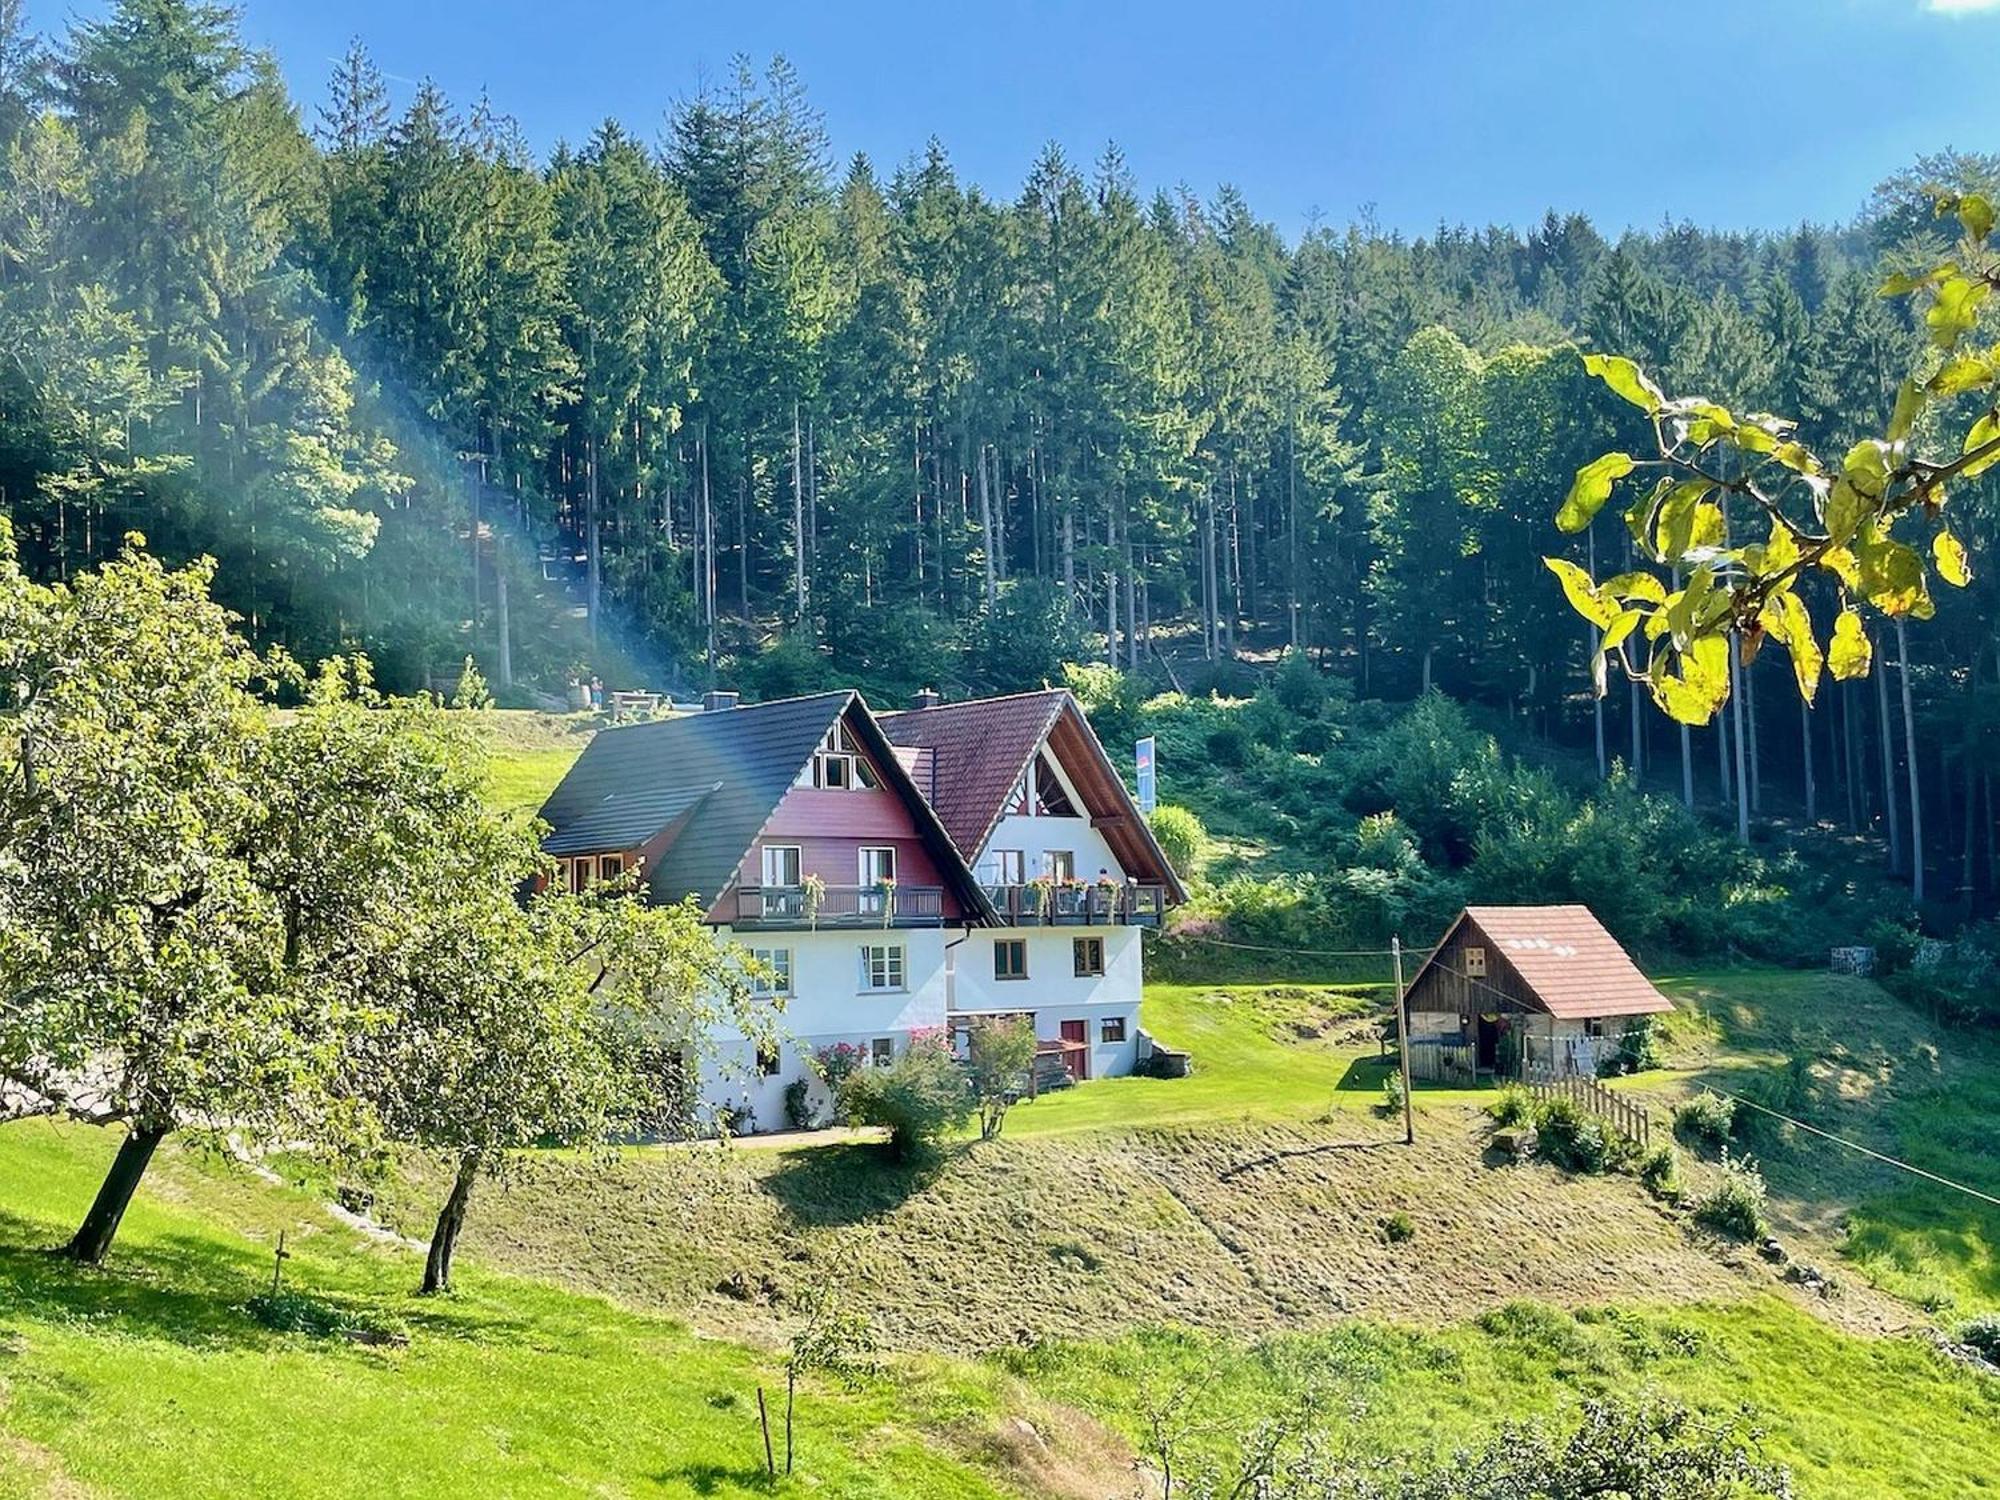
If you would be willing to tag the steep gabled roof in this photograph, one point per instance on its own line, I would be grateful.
(1563, 957)
(720, 776)
(979, 749)
(738, 762)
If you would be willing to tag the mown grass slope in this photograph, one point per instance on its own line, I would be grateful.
(150, 1379)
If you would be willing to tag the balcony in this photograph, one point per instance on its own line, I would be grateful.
(840, 906)
(1080, 904)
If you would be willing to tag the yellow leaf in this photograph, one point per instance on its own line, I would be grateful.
(1615, 633)
(1851, 653)
(1627, 379)
(1591, 488)
(1635, 586)
(1840, 562)
(1949, 554)
(1784, 616)
(1582, 593)
(1985, 430)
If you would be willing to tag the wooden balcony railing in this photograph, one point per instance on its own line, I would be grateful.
(1084, 904)
(840, 906)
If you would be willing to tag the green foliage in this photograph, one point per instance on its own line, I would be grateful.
(1399, 1228)
(288, 1311)
(1392, 1093)
(1571, 1138)
(1181, 837)
(1707, 1118)
(1733, 1204)
(921, 1097)
(1982, 1334)
(1659, 1169)
(1000, 1054)
(1513, 1105)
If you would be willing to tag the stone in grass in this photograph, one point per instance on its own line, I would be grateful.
(1519, 1142)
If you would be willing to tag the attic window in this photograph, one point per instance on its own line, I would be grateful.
(1475, 963)
(838, 764)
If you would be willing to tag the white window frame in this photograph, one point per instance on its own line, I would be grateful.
(1066, 857)
(881, 1051)
(610, 866)
(861, 875)
(1010, 866)
(779, 962)
(798, 862)
(891, 961)
(1105, 1023)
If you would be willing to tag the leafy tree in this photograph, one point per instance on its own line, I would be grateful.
(1181, 837)
(1000, 1054)
(921, 1097)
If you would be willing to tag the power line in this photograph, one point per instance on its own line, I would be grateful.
(1841, 1140)
(1195, 937)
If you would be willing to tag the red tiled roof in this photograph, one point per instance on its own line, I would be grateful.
(1566, 959)
(979, 748)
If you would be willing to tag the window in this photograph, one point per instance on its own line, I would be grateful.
(878, 863)
(1089, 957)
(1112, 1029)
(610, 866)
(781, 864)
(1594, 1026)
(1061, 864)
(579, 875)
(883, 966)
(838, 764)
(882, 1051)
(769, 1060)
(779, 962)
(1475, 963)
(1010, 867)
(1010, 958)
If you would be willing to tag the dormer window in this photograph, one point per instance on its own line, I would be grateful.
(839, 765)
(1040, 792)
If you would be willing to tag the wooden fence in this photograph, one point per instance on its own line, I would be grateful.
(1621, 1114)
(1437, 1061)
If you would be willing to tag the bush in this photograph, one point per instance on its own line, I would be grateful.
(1983, 1334)
(921, 1097)
(1660, 1171)
(798, 1104)
(287, 1311)
(1639, 1047)
(1299, 685)
(1229, 745)
(1399, 1229)
(1182, 838)
(1734, 1206)
(1570, 1138)
(1000, 1055)
(1707, 1119)
(1512, 1107)
(1392, 1093)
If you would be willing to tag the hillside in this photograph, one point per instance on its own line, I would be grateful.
(1074, 1266)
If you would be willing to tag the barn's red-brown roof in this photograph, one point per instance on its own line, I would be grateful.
(1566, 960)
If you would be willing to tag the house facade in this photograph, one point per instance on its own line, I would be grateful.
(827, 843)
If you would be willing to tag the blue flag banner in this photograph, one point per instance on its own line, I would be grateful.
(1148, 784)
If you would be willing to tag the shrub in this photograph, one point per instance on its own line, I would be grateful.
(1399, 1229)
(1707, 1118)
(1299, 685)
(1392, 1094)
(1734, 1206)
(1229, 745)
(921, 1097)
(1000, 1053)
(286, 1311)
(1512, 1107)
(798, 1104)
(1639, 1047)
(1983, 1334)
(1570, 1138)
(1660, 1171)
(1182, 838)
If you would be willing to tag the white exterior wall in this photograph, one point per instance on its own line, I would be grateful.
(828, 1005)
(1053, 991)
(1035, 836)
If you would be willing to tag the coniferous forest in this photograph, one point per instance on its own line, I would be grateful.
(688, 401)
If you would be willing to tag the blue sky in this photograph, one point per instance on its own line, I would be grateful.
(1737, 113)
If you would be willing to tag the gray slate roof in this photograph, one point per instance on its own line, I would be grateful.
(738, 763)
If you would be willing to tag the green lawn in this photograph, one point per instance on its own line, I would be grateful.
(1276, 1053)
(527, 753)
(150, 1379)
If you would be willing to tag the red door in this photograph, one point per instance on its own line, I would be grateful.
(1076, 1049)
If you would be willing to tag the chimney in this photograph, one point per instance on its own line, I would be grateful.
(715, 700)
(926, 698)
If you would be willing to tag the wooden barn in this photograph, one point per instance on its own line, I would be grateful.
(1525, 991)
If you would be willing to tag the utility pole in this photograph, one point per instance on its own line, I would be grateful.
(1403, 1043)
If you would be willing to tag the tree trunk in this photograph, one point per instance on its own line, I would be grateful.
(1742, 783)
(100, 1226)
(798, 514)
(986, 536)
(1806, 761)
(451, 1219)
(593, 566)
(1750, 722)
(1910, 764)
(1890, 811)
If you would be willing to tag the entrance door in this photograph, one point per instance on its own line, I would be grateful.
(1489, 1043)
(1076, 1049)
